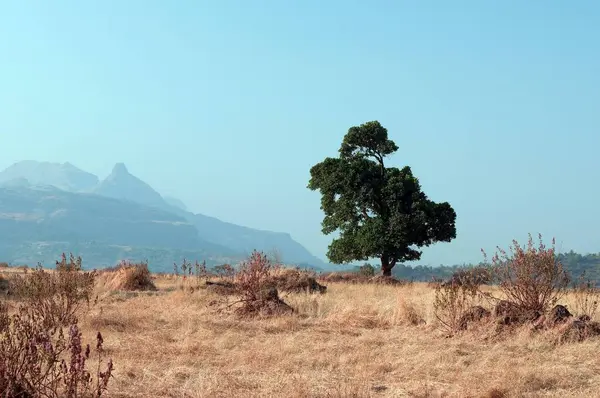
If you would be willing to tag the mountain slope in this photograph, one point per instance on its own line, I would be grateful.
(120, 184)
(64, 176)
(51, 216)
(175, 203)
(244, 239)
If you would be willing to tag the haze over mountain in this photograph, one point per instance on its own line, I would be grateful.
(121, 211)
(175, 202)
(61, 175)
(121, 185)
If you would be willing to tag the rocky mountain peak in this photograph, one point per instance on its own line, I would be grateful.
(120, 169)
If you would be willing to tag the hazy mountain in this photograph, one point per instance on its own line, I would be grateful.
(120, 184)
(244, 239)
(61, 175)
(120, 210)
(175, 203)
(39, 217)
(16, 183)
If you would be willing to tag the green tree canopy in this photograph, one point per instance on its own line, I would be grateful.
(379, 211)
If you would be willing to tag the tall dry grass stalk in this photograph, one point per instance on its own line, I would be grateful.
(42, 353)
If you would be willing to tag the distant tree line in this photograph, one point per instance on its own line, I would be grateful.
(576, 264)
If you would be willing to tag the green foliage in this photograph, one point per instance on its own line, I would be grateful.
(379, 211)
(580, 264)
(575, 264)
(366, 270)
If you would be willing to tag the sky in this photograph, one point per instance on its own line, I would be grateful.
(227, 104)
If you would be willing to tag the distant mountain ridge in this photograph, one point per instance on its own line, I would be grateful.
(64, 176)
(120, 184)
(80, 198)
(175, 203)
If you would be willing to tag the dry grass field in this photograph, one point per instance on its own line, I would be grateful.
(354, 341)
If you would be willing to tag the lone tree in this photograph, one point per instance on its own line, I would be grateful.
(379, 211)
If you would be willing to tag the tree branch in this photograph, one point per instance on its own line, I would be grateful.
(364, 213)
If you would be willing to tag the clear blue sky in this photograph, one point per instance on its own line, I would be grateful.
(227, 104)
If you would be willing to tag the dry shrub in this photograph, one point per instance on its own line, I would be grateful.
(435, 283)
(454, 300)
(40, 361)
(296, 281)
(409, 314)
(128, 276)
(473, 276)
(3, 265)
(253, 284)
(55, 296)
(576, 330)
(283, 279)
(365, 317)
(367, 270)
(224, 271)
(586, 297)
(254, 276)
(509, 313)
(221, 288)
(192, 275)
(530, 277)
(4, 285)
(344, 277)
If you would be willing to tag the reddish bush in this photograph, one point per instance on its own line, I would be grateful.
(37, 361)
(253, 284)
(531, 277)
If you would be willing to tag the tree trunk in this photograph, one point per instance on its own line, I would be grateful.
(386, 267)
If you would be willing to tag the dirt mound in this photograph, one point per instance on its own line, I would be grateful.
(473, 314)
(267, 304)
(354, 277)
(345, 277)
(127, 276)
(221, 288)
(297, 281)
(559, 314)
(509, 313)
(575, 330)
